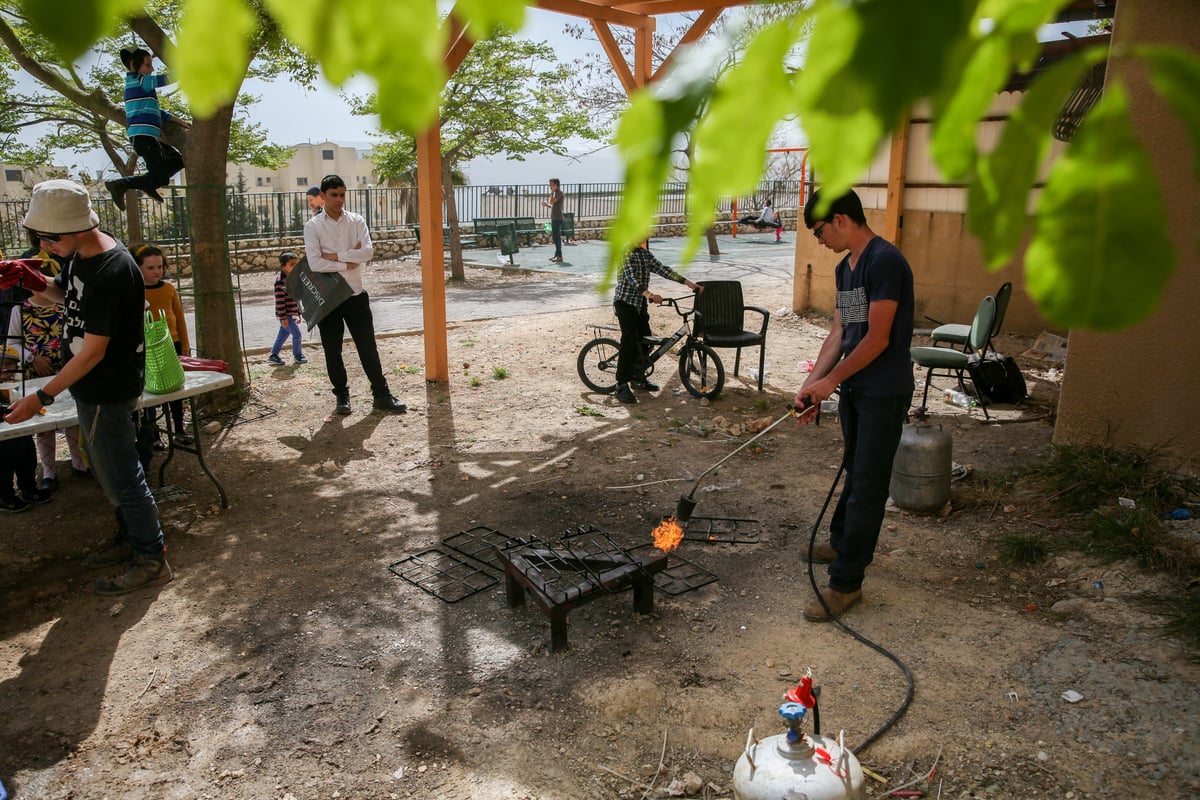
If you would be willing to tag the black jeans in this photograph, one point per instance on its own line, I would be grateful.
(162, 162)
(635, 323)
(871, 428)
(18, 461)
(556, 236)
(355, 314)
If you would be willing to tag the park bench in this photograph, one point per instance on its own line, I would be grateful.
(466, 240)
(486, 228)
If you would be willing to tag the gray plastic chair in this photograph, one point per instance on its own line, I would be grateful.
(953, 363)
(956, 334)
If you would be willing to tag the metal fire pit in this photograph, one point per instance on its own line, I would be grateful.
(581, 566)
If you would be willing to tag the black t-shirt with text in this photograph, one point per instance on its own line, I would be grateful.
(882, 273)
(106, 296)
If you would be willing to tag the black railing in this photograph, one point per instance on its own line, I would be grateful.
(281, 215)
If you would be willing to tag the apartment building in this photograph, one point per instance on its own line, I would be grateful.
(16, 180)
(309, 163)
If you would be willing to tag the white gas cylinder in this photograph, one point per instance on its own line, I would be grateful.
(797, 766)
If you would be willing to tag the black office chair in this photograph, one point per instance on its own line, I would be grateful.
(721, 322)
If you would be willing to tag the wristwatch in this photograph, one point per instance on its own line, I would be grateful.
(46, 399)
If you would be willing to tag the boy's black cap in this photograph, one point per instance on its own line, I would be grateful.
(286, 257)
(313, 191)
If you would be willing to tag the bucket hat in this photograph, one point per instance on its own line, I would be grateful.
(60, 206)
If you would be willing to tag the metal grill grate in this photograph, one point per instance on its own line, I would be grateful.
(680, 575)
(722, 530)
(481, 543)
(443, 575)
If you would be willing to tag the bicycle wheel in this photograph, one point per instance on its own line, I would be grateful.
(701, 370)
(597, 364)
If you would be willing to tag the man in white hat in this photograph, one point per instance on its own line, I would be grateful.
(104, 295)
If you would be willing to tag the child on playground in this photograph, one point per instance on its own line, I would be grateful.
(287, 311)
(766, 219)
(162, 301)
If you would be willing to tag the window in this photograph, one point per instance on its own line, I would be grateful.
(13, 175)
(258, 182)
(268, 181)
(327, 155)
(302, 181)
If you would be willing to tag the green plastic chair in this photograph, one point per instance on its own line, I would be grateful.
(953, 363)
(956, 333)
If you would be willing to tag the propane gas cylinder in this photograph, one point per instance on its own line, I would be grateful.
(796, 764)
(921, 470)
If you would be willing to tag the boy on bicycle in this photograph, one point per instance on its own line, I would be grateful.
(629, 304)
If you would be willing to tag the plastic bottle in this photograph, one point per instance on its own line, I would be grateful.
(961, 399)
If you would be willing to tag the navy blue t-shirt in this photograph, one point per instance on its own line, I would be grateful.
(106, 296)
(882, 273)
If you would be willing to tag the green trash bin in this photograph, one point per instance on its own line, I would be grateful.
(506, 234)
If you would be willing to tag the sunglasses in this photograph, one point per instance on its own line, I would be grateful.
(819, 229)
(48, 237)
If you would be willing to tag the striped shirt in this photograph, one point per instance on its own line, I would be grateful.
(635, 276)
(285, 305)
(143, 117)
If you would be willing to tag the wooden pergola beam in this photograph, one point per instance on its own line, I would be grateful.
(698, 29)
(597, 11)
(615, 57)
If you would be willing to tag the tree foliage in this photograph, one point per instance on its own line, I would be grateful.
(508, 97)
(866, 64)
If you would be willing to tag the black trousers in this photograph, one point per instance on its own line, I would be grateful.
(18, 460)
(162, 161)
(556, 236)
(355, 314)
(635, 323)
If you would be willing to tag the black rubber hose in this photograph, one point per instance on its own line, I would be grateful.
(908, 696)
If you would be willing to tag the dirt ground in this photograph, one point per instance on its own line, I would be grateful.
(286, 661)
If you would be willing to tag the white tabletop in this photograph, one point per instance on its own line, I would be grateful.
(61, 414)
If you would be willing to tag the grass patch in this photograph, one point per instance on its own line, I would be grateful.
(408, 369)
(588, 411)
(984, 493)
(499, 373)
(1139, 535)
(1024, 551)
(476, 382)
(1082, 478)
(466, 342)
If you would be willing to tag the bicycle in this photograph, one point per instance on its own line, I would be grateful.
(700, 368)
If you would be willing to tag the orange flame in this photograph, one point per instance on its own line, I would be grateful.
(668, 535)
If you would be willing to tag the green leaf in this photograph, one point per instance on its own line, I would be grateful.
(953, 143)
(1100, 255)
(867, 63)
(211, 52)
(388, 40)
(1175, 73)
(486, 17)
(72, 26)
(731, 139)
(999, 191)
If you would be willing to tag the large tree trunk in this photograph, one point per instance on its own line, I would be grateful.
(457, 273)
(216, 320)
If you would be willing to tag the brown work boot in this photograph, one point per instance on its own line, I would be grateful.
(823, 553)
(839, 603)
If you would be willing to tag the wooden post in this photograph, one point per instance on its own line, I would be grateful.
(433, 264)
(895, 190)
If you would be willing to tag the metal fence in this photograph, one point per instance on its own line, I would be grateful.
(281, 215)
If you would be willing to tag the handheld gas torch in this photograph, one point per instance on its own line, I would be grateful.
(687, 503)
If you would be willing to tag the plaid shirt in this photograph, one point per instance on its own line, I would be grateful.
(635, 277)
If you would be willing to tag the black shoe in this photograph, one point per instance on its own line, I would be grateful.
(343, 405)
(14, 504)
(183, 439)
(37, 496)
(275, 359)
(624, 394)
(386, 402)
(153, 195)
(646, 385)
(81, 473)
(117, 190)
(47, 484)
(300, 359)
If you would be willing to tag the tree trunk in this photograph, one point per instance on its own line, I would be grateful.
(216, 320)
(457, 273)
(711, 234)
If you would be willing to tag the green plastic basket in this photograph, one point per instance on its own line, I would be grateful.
(164, 373)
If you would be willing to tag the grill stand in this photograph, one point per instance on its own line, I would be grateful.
(521, 576)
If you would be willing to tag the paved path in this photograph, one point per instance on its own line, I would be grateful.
(756, 260)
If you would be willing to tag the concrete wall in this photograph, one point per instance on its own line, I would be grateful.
(1141, 386)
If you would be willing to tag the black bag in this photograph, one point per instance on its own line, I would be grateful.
(998, 379)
